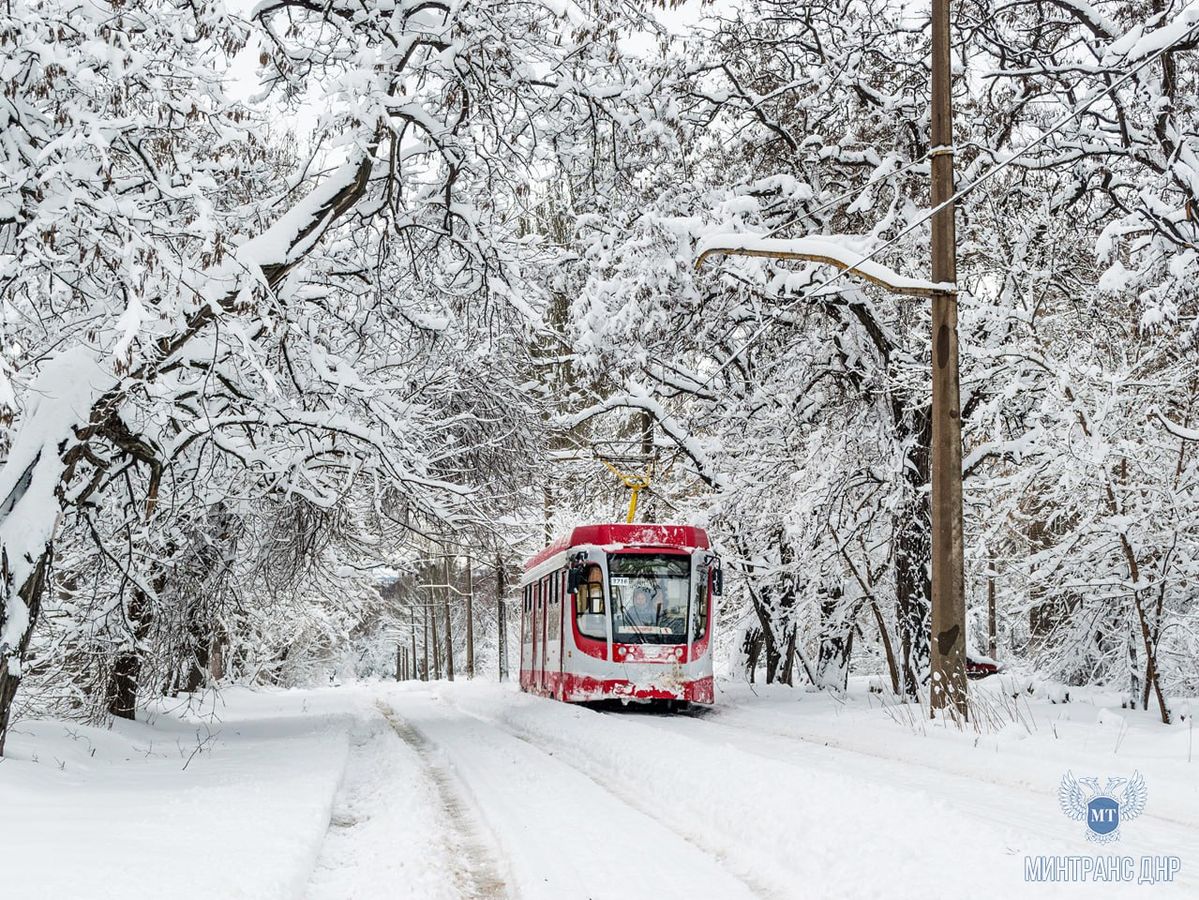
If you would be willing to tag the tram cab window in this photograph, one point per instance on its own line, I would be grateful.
(699, 612)
(650, 594)
(589, 604)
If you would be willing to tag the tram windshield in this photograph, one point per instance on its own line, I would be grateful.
(649, 594)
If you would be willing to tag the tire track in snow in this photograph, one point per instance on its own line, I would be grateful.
(387, 837)
(627, 798)
(476, 874)
(563, 833)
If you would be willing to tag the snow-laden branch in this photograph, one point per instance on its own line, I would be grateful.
(636, 397)
(1137, 44)
(74, 395)
(823, 249)
(63, 396)
(1178, 431)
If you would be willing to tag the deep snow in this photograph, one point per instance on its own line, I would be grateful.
(449, 790)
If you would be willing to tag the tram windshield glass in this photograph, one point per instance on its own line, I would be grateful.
(649, 595)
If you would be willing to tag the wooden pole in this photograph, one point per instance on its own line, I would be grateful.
(449, 630)
(470, 620)
(948, 688)
(399, 661)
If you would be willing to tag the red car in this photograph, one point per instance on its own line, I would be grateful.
(981, 667)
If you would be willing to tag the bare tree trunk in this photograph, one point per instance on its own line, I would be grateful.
(836, 641)
(913, 589)
(216, 655)
(470, 620)
(787, 676)
(197, 662)
(127, 667)
(501, 614)
(432, 601)
(1152, 681)
(449, 628)
(30, 593)
(892, 665)
(992, 636)
(752, 648)
(425, 647)
(412, 634)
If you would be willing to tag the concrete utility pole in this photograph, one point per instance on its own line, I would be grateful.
(449, 631)
(948, 688)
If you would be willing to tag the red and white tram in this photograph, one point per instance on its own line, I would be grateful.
(620, 612)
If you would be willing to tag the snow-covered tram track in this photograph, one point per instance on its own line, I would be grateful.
(476, 873)
(561, 832)
(791, 823)
(982, 795)
(611, 783)
(397, 827)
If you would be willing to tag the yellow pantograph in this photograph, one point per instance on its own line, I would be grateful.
(635, 483)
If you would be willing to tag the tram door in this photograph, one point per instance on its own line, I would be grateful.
(534, 624)
(553, 632)
(545, 615)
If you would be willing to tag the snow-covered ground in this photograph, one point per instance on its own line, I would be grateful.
(475, 790)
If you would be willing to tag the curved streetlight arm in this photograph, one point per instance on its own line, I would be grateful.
(821, 250)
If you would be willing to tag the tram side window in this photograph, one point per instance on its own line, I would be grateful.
(699, 612)
(554, 613)
(552, 620)
(524, 620)
(589, 604)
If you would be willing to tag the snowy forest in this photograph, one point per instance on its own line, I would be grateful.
(315, 313)
(323, 319)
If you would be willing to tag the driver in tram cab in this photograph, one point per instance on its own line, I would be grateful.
(642, 611)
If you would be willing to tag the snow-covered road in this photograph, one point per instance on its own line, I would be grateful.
(475, 790)
(558, 831)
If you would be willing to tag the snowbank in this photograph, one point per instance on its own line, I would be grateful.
(226, 806)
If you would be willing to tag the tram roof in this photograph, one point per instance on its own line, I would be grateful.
(687, 537)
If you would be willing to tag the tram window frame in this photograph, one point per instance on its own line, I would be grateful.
(702, 598)
(525, 628)
(554, 622)
(591, 604)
